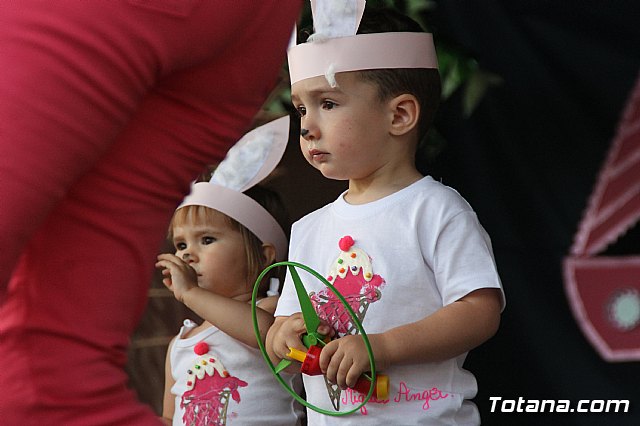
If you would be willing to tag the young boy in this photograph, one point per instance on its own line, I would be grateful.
(407, 252)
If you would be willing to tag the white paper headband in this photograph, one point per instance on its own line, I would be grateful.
(361, 52)
(335, 47)
(247, 163)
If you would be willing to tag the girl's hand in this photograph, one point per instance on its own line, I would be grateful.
(287, 335)
(179, 277)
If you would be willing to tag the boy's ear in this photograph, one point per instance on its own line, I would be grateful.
(406, 112)
(269, 252)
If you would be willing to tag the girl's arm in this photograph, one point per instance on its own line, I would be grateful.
(168, 401)
(447, 333)
(230, 315)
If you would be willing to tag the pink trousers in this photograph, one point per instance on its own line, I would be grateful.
(108, 109)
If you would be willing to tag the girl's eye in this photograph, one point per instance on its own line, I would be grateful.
(328, 104)
(180, 246)
(302, 111)
(208, 240)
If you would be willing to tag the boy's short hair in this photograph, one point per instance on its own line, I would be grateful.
(422, 83)
(256, 261)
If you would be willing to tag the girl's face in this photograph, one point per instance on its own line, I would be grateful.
(216, 251)
(347, 126)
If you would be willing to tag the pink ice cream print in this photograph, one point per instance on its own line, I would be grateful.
(209, 388)
(352, 275)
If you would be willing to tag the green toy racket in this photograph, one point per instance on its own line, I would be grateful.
(312, 337)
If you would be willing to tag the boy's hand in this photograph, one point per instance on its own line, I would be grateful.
(344, 360)
(179, 276)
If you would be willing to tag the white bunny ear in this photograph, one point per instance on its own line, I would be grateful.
(293, 40)
(247, 163)
(254, 156)
(336, 18)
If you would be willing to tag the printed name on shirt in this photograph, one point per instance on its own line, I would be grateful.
(404, 394)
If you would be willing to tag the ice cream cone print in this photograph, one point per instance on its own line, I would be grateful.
(352, 275)
(210, 387)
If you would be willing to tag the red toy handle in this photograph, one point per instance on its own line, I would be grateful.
(311, 367)
(311, 361)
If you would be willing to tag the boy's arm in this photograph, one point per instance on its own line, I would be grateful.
(447, 333)
(230, 315)
(452, 330)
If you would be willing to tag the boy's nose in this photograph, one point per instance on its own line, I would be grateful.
(187, 257)
(307, 134)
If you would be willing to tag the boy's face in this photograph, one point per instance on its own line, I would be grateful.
(216, 251)
(347, 126)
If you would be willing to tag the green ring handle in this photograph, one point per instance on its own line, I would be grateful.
(354, 318)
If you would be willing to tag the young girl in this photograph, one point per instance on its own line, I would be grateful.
(214, 372)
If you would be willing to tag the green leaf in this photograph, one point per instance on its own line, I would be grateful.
(475, 89)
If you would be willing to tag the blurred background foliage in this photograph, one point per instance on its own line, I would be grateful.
(461, 74)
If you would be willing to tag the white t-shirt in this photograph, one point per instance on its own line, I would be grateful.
(226, 382)
(413, 252)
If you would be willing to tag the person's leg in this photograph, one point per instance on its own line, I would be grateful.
(81, 285)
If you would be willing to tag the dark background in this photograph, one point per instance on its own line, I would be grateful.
(527, 161)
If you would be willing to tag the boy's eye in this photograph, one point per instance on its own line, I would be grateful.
(208, 240)
(328, 104)
(302, 111)
(180, 246)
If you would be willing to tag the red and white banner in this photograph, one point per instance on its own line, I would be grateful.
(604, 292)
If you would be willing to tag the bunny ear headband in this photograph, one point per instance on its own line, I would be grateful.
(335, 47)
(247, 163)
